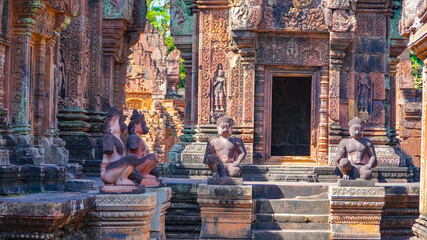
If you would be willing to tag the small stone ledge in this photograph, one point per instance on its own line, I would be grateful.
(30, 178)
(43, 216)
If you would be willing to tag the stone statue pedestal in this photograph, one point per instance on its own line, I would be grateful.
(121, 216)
(226, 211)
(151, 182)
(164, 195)
(115, 189)
(356, 183)
(225, 181)
(356, 212)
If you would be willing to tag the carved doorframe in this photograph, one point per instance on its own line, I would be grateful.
(291, 71)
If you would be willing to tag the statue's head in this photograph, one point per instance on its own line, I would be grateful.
(115, 122)
(356, 128)
(225, 126)
(137, 123)
(220, 70)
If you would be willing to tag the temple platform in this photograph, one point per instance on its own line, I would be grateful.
(282, 210)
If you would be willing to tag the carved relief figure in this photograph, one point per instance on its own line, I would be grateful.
(135, 144)
(224, 154)
(356, 155)
(219, 88)
(115, 166)
(363, 93)
(340, 15)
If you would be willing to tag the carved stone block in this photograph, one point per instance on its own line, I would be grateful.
(356, 212)
(42, 216)
(378, 82)
(292, 51)
(370, 44)
(158, 219)
(226, 211)
(121, 216)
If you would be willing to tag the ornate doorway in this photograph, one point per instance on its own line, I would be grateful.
(291, 113)
(291, 116)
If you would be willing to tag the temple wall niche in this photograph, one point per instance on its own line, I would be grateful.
(152, 78)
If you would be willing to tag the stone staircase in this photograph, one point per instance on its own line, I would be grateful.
(289, 173)
(291, 212)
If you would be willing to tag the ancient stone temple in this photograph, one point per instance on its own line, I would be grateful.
(152, 78)
(63, 63)
(292, 74)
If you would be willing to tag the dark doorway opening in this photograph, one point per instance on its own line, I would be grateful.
(291, 116)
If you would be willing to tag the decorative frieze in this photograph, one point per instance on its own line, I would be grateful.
(293, 50)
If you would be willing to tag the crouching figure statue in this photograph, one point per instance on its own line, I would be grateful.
(147, 162)
(224, 154)
(356, 155)
(116, 166)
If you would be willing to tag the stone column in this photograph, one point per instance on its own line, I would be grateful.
(323, 112)
(158, 220)
(23, 22)
(356, 212)
(20, 71)
(39, 91)
(121, 216)
(420, 228)
(226, 211)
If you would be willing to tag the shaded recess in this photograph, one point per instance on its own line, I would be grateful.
(291, 108)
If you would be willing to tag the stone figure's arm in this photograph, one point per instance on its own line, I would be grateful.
(209, 150)
(108, 144)
(241, 151)
(341, 152)
(372, 155)
(133, 142)
(215, 82)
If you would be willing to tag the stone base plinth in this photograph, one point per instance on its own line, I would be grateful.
(226, 211)
(121, 216)
(158, 219)
(400, 211)
(124, 189)
(44, 215)
(80, 185)
(30, 178)
(356, 183)
(356, 212)
(225, 181)
(420, 228)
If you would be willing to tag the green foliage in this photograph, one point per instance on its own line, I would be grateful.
(159, 15)
(417, 70)
(181, 83)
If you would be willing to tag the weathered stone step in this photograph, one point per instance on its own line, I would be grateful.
(291, 234)
(273, 191)
(289, 226)
(292, 206)
(291, 177)
(296, 218)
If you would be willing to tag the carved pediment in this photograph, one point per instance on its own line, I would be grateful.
(296, 15)
(182, 20)
(117, 9)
